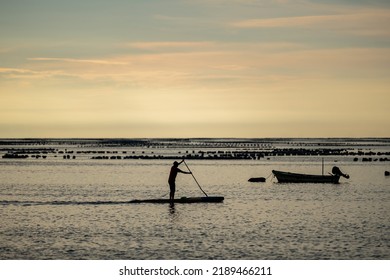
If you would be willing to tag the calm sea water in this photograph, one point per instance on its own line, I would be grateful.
(267, 220)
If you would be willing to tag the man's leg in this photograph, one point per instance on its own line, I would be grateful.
(173, 189)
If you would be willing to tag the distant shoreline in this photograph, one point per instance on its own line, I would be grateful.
(362, 149)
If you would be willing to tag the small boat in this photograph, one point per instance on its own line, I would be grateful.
(288, 177)
(204, 199)
(256, 179)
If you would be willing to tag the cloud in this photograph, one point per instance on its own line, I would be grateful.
(365, 22)
(73, 60)
(14, 70)
(22, 73)
(169, 45)
(189, 63)
(206, 66)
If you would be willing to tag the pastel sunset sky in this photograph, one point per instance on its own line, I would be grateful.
(194, 68)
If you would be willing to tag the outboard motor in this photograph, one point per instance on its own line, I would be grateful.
(337, 171)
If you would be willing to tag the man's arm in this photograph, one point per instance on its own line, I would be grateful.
(185, 172)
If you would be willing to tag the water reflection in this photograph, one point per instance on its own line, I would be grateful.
(173, 214)
(172, 209)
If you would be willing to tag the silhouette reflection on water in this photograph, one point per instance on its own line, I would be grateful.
(172, 209)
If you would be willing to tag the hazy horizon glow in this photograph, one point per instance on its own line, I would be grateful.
(216, 68)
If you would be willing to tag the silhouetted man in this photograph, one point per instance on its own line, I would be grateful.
(172, 178)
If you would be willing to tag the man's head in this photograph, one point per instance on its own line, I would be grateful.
(176, 164)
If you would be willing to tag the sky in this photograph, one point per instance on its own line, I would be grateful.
(194, 68)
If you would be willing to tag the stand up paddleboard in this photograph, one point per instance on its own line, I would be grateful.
(206, 199)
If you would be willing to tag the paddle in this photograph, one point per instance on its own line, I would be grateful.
(194, 178)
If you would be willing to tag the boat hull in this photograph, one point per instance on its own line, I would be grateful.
(205, 199)
(288, 177)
